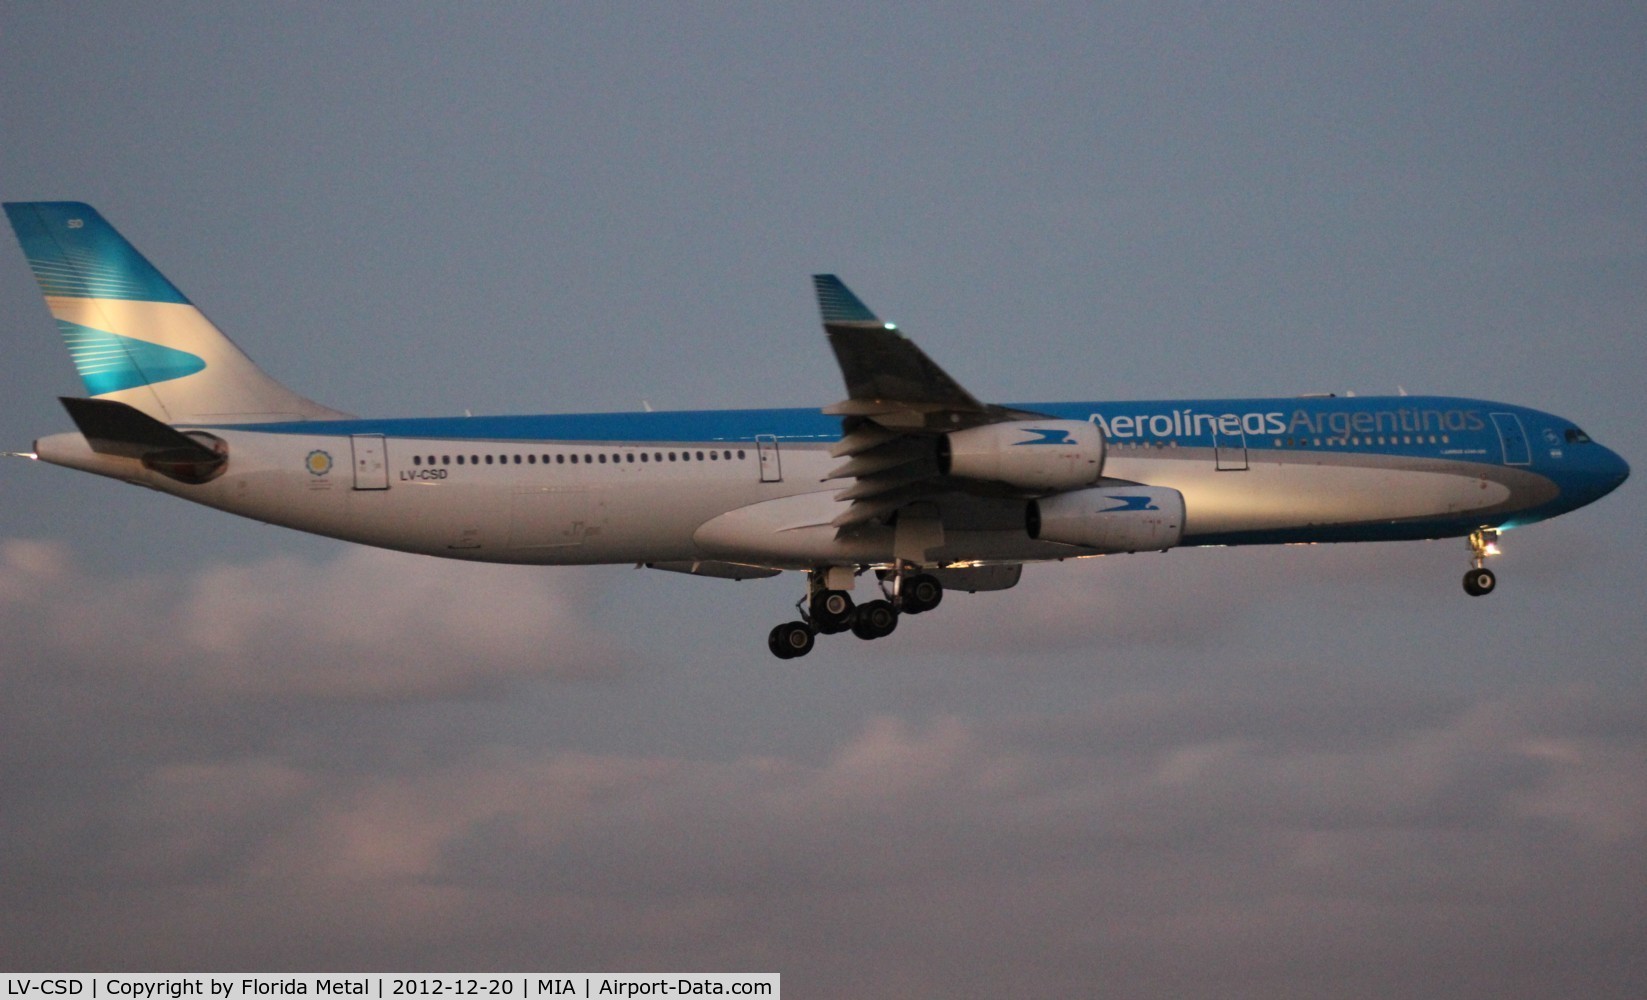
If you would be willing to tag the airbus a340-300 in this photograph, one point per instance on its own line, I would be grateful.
(909, 486)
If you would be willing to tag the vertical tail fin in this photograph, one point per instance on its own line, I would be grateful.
(134, 337)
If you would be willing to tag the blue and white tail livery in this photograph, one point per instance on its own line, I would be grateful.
(908, 486)
(134, 337)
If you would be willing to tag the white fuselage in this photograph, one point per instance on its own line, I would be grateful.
(575, 503)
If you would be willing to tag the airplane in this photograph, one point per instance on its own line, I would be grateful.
(910, 486)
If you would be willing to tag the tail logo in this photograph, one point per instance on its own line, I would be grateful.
(108, 362)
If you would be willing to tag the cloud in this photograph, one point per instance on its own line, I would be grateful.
(1436, 852)
(185, 791)
(1184, 599)
(367, 625)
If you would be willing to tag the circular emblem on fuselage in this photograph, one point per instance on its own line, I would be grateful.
(319, 463)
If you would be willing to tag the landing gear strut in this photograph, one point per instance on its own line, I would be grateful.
(1480, 581)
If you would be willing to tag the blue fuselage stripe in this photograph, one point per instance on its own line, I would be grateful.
(1462, 429)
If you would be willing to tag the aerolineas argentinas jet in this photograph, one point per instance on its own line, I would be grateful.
(908, 486)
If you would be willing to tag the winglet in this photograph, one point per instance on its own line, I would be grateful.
(838, 304)
(886, 375)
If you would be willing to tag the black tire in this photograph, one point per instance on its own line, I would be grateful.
(875, 620)
(1479, 582)
(832, 611)
(775, 643)
(921, 594)
(789, 640)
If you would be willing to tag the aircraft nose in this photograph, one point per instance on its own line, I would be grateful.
(1606, 473)
(1601, 472)
(1616, 469)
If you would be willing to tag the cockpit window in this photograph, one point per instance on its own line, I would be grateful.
(1576, 436)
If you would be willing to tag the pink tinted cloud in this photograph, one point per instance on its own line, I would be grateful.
(366, 624)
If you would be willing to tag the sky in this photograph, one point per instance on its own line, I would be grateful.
(1267, 772)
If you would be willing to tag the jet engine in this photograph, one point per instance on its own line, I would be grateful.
(1110, 519)
(1047, 455)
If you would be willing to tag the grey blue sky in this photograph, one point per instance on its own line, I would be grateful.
(1243, 773)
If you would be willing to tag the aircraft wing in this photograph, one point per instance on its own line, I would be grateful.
(898, 402)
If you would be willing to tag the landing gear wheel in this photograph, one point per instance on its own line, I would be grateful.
(921, 593)
(875, 620)
(789, 640)
(1479, 582)
(832, 611)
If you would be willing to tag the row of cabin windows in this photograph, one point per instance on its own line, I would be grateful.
(1330, 442)
(587, 458)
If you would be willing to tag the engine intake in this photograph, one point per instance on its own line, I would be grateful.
(1047, 455)
(1110, 519)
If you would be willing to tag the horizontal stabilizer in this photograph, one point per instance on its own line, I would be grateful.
(117, 429)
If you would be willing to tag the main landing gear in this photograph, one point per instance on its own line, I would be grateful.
(1480, 581)
(825, 610)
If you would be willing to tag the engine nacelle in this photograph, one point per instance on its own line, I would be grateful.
(1113, 519)
(1029, 454)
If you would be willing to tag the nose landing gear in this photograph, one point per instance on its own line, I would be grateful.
(1480, 581)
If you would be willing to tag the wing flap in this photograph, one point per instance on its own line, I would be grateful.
(861, 438)
(899, 451)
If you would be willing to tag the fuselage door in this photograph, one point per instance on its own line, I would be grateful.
(766, 446)
(1513, 438)
(371, 467)
(1229, 450)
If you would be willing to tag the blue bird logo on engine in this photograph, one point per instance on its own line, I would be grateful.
(1046, 436)
(1131, 503)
